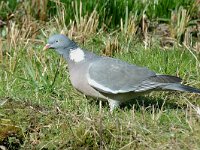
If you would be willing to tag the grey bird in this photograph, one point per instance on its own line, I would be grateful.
(110, 79)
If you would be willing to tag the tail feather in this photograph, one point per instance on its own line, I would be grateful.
(165, 82)
(180, 87)
(165, 79)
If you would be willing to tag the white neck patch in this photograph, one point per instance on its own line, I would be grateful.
(77, 55)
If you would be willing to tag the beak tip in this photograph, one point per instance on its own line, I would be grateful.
(47, 46)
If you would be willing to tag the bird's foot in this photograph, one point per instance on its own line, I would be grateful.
(113, 104)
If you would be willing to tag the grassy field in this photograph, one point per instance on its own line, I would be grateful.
(39, 108)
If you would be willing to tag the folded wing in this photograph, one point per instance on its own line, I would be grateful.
(114, 76)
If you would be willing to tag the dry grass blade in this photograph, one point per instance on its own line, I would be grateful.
(128, 27)
(183, 21)
(145, 26)
(40, 8)
(1, 50)
(111, 46)
(60, 17)
(83, 26)
(195, 108)
(180, 25)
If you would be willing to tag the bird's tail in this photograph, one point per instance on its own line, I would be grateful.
(180, 87)
(165, 82)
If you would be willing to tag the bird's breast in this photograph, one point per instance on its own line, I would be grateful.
(78, 77)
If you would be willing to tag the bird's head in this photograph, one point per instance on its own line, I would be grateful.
(59, 42)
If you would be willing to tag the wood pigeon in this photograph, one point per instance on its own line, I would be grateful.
(110, 79)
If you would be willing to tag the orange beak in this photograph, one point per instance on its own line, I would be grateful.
(47, 46)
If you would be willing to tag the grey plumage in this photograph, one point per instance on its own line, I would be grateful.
(108, 78)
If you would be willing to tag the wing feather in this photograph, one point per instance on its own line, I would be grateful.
(114, 76)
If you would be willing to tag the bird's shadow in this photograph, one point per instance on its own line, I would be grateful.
(144, 101)
(148, 101)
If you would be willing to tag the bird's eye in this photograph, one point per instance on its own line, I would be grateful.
(57, 41)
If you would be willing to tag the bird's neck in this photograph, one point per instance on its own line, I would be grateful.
(75, 55)
(72, 54)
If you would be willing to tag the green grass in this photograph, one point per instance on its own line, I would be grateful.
(110, 11)
(47, 112)
(39, 108)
